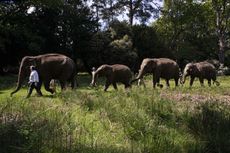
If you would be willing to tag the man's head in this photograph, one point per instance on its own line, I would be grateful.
(32, 68)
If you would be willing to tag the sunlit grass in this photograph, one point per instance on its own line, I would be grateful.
(139, 119)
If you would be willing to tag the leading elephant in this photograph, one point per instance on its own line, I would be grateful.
(113, 73)
(160, 68)
(202, 70)
(49, 66)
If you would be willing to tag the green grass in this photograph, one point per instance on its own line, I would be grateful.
(168, 120)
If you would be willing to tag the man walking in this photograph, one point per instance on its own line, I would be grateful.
(33, 81)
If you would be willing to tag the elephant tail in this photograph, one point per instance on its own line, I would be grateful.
(16, 90)
(134, 80)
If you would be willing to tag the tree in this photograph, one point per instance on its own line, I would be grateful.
(186, 27)
(221, 9)
(105, 10)
(147, 42)
(53, 26)
(112, 46)
(141, 10)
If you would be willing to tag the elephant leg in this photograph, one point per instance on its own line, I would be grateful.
(201, 81)
(107, 84)
(154, 83)
(158, 83)
(209, 82)
(127, 85)
(191, 81)
(115, 85)
(73, 83)
(63, 85)
(167, 83)
(156, 80)
(176, 81)
(47, 86)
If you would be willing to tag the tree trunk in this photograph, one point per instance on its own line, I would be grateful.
(222, 46)
(131, 12)
(221, 25)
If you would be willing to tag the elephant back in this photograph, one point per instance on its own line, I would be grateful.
(207, 69)
(56, 66)
(122, 72)
(168, 68)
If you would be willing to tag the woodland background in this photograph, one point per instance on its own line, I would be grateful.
(115, 31)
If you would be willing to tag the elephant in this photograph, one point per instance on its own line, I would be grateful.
(113, 73)
(202, 70)
(160, 68)
(49, 66)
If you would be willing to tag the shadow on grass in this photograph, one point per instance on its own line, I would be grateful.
(15, 138)
(211, 126)
(48, 96)
(100, 149)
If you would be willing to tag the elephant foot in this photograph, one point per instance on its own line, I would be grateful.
(160, 85)
(52, 91)
(39, 93)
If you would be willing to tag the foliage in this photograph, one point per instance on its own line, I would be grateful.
(60, 26)
(139, 10)
(186, 29)
(189, 28)
(147, 42)
(105, 10)
(221, 8)
(111, 48)
(122, 51)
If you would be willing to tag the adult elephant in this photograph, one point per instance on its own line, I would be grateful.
(49, 66)
(113, 73)
(202, 70)
(160, 68)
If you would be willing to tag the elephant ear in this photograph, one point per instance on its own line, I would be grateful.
(193, 68)
(104, 70)
(108, 71)
(151, 65)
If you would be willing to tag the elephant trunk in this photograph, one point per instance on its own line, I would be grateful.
(140, 76)
(183, 78)
(21, 76)
(94, 78)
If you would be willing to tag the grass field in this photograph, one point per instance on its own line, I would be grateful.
(89, 120)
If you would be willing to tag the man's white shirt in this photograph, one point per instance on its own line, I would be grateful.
(34, 77)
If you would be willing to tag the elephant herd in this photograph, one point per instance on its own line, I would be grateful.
(62, 68)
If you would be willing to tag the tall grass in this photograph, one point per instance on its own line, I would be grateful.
(137, 120)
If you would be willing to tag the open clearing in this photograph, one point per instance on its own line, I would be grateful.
(140, 119)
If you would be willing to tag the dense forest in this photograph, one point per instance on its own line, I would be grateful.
(115, 31)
